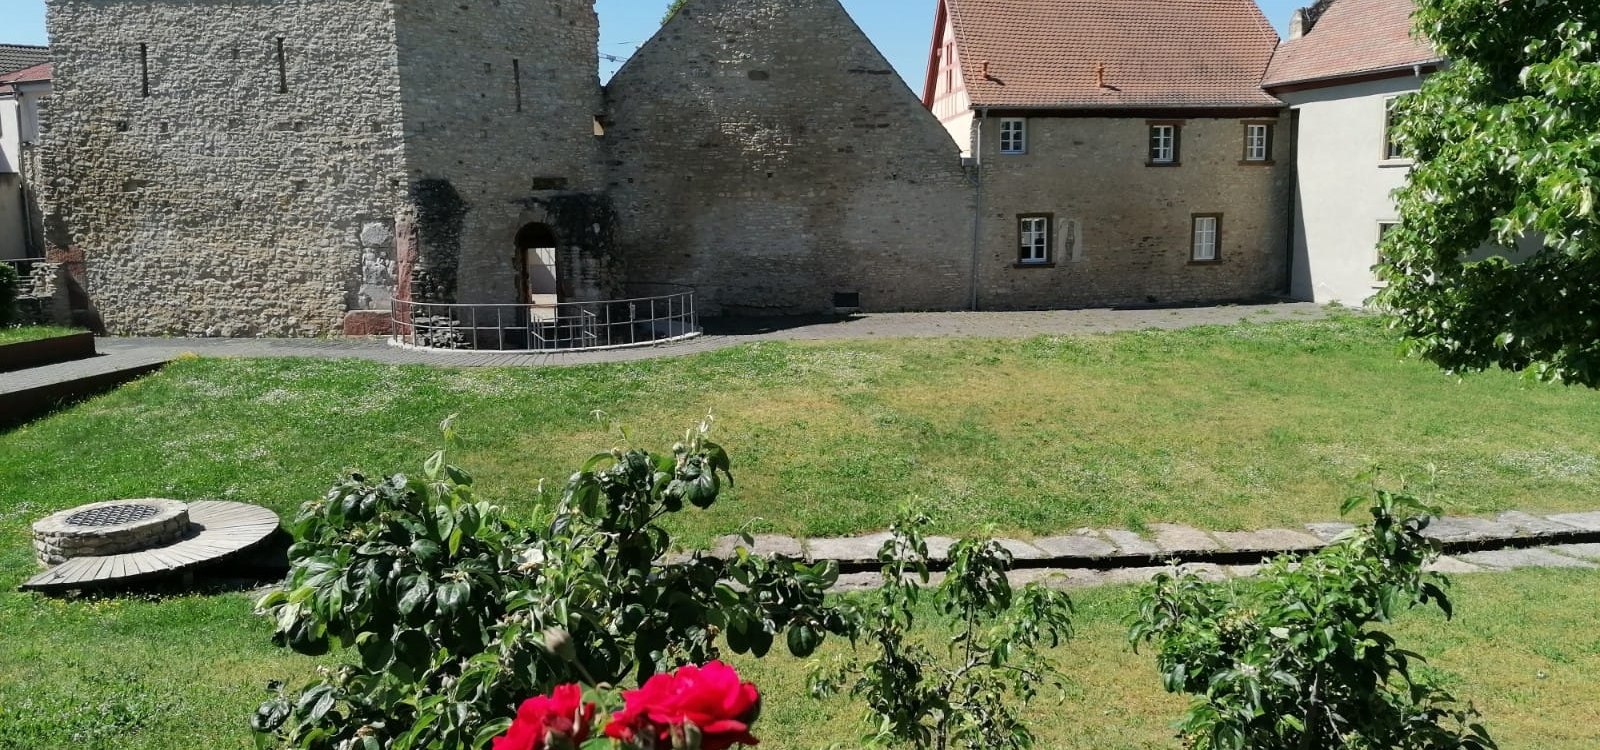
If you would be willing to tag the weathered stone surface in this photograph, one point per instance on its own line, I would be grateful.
(1063, 579)
(1507, 559)
(1206, 571)
(939, 547)
(217, 187)
(1463, 529)
(1126, 576)
(1447, 564)
(1585, 551)
(1021, 550)
(1076, 545)
(109, 528)
(1129, 543)
(1327, 532)
(1528, 524)
(767, 545)
(1177, 538)
(1267, 540)
(765, 153)
(1587, 521)
(848, 549)
(857, 582)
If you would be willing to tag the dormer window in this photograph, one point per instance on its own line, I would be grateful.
(1013, 135)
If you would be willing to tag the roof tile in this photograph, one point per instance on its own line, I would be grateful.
(14, 57)
(1156, 53)
(1352, 37)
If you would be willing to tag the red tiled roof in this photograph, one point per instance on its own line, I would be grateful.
(18, 56)
(1156, 53)
(39, 72)
(1352, 37)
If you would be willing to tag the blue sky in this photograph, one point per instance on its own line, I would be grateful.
(901, 28)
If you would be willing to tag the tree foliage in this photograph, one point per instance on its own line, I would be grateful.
(1294, 660)
(1507, 145)
(971, 696)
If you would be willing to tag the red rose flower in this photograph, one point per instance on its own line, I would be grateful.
(712, 698)
(559, 720)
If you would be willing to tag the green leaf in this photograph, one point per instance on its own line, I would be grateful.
(803, 640)
(419, 593)
(451, 595)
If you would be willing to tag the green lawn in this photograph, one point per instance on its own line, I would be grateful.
(187, 672)
(20, 334)
(1225, 427)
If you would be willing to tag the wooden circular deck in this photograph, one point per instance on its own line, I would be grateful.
(218, 530)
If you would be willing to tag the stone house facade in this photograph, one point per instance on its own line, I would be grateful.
(290, 168)
(286, 168)
(1127, 157)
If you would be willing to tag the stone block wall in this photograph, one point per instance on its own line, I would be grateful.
(1122, 229)
(765, 154)
(499, 101)
(210, 189)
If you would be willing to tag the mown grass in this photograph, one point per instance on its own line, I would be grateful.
(19, 334)
(156, 674)
(1232, 427)
(1225, 427)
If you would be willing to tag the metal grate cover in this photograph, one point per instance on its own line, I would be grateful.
(114, 515)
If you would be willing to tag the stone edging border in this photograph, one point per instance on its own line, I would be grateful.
(1102, 550)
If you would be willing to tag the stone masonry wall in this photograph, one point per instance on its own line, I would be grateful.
(500, 99)
(219, 204)
(1123, 229)
(764, 153)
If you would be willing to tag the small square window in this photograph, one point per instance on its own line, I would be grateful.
(1207, 238)
(1033, 239)
(1258, 141)
(1013, 136)
(1164, 143)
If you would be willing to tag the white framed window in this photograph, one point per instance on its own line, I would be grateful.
(1013, 135)
(1257, 141)
(1207, 244)
(1392, 149)
(1164, 143)
(1033, 238)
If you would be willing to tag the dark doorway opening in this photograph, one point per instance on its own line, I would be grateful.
(538, 279)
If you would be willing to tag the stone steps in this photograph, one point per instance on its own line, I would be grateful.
(35, 392)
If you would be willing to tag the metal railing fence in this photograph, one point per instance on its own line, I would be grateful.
(563, 326)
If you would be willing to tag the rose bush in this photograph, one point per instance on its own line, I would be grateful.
(694, 708)
(710, 701)
(559, 721)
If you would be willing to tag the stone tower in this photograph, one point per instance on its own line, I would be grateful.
(286, 167)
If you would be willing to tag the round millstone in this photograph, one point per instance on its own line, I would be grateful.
(109, 528)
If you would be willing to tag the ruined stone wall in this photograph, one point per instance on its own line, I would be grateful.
(1122, 230)
(210, 193)
(500, 99)
(764, 153)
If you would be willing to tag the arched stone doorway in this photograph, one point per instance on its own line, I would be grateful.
(538, 279)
